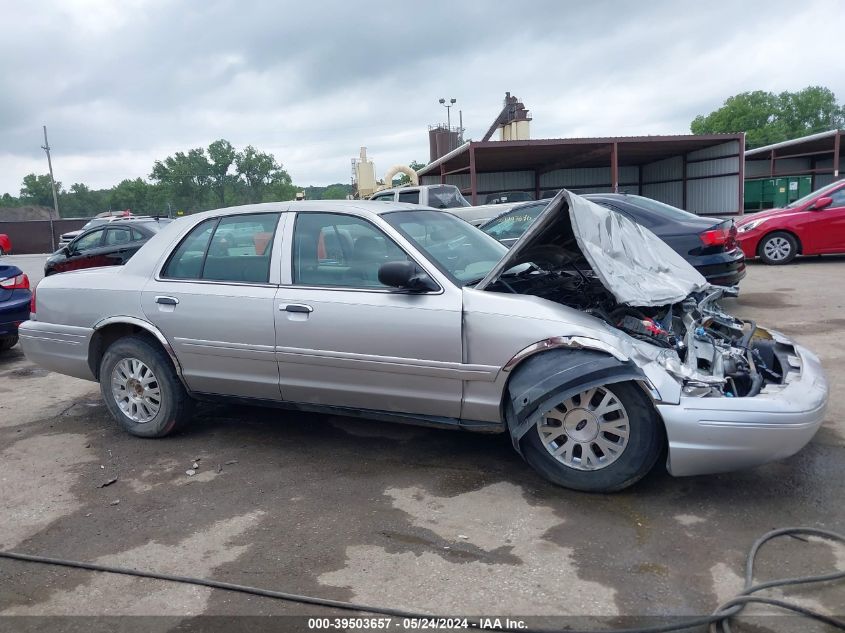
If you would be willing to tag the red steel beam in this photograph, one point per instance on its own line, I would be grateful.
(614, 166)
(473, 176)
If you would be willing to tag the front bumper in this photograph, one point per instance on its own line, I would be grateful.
(713, 435)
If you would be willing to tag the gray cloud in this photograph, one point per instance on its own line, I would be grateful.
(121, 84)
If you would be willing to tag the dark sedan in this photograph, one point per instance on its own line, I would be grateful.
(708, 244)
(15, 298)
(111, 244)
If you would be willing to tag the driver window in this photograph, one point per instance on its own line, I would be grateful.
(331, 249)
(89, 241)
(838, 198)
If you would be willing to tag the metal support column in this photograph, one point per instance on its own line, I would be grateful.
(614, 167)
(741, 159)
(473, 177)
(536, 185)
(443, 173)
(836, 154)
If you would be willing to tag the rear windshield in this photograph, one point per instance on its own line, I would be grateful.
(446, 197)
(660, 208)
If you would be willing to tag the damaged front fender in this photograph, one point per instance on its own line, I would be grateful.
(546, 379)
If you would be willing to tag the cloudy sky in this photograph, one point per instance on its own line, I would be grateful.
(121, 83)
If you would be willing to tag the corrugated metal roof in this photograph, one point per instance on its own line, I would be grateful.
(795, 141)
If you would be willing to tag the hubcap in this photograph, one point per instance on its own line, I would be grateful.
(588, 431)
(777, 248)
(135, 390)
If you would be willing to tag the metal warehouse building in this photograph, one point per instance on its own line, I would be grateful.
(700, 173)
(780, 173)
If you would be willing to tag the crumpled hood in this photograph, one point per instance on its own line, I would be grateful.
(636, 266)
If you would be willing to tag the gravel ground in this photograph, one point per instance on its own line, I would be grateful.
(396, 515)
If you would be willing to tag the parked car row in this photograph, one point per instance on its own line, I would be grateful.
(591, 343)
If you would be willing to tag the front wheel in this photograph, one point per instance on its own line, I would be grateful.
(602, 439)
(141, 389)
(8, 342)
(778, 248)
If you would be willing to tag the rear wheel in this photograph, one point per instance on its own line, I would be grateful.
(778, 248)
(8, 342)
(602, 439)
(141, 389)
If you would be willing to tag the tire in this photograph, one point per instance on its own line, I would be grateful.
(778, 248)
(141, 389)
(2, 252)
(8, 342)
(625, 461)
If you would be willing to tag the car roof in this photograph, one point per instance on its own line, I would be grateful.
(376, 207)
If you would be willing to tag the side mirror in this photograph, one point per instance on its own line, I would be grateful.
(822, 203)
(65, 250)
(405, 275)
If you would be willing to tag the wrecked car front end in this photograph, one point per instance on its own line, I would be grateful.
(730, 394)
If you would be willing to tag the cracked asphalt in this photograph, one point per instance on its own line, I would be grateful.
(397, 515)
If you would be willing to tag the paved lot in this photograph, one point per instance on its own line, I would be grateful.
(396, 515)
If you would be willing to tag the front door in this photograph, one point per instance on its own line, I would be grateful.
(214, 301)
(87, 251)
(828, 225)
(344, 339)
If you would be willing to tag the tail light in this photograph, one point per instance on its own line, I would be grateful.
(20, 282)
(723, 235)
(32, 302)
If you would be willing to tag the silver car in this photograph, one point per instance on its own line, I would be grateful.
(590, 342)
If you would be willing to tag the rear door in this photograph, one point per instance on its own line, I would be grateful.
(344, 339)
(213, 299)
(120, 243)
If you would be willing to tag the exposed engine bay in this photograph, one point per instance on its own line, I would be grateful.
(715, 354)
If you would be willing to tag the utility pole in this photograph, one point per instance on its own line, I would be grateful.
(46, 148)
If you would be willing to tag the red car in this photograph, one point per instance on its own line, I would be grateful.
(5, 244)
(812, 225)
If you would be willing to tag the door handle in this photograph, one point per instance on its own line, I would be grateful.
(296, 307)
(167, 301)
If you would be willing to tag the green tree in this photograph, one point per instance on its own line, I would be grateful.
(335, 192)
(133, 195)
(185, 179)
(38, 190)
(222, 155)
(767, 118)
(80, 202)
(404, 179)
(261, 175)
(7, 200)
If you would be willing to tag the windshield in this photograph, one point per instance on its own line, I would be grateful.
(815, 194)
(446, 197)
(661, 208)
(514, 223)
(456, 247)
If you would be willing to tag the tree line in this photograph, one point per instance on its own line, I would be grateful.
(186, 182)
(767, 117)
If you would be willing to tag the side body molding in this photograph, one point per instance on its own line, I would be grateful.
(148, 327)
(542, 381)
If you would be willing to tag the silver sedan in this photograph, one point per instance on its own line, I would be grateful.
(591, 343)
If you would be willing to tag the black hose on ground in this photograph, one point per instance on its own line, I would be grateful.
(719, 622)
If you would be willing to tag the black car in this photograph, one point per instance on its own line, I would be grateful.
(708, 244)
(110, 244)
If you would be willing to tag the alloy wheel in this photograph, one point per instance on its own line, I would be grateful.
(136, 390)
(588, 431)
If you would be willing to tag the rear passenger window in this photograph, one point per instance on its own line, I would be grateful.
(332, 249)
(409, 196)
(233, 248)
(240, 248)
(186, 260)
